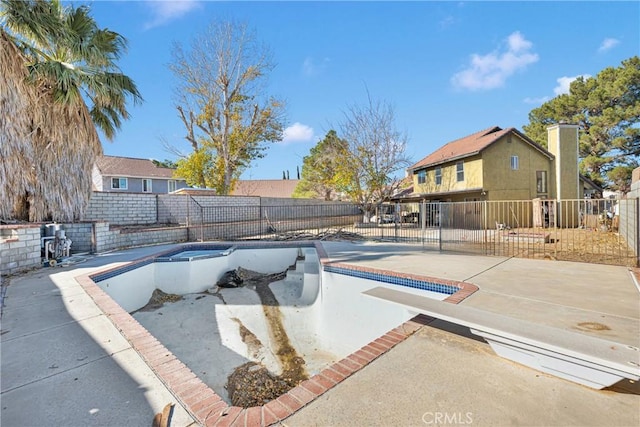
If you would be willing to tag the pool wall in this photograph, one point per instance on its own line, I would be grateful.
(186, 277)
(347, 318)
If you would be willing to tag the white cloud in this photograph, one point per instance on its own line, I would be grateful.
(297, 132)
(164, 11)
(311, 67)
(536, 101)
(490, 71)
(607, 44)
(446, 22)
(565, 82)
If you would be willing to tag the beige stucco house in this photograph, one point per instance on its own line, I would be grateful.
(498, 164)
(501, 164)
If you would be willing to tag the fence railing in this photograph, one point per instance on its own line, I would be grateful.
(598, 231)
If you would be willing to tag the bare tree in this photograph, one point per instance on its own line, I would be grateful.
(376, 153)
(220, 100)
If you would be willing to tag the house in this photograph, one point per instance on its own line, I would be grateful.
(498, 164)
(127, 174)
(501, 164)
(282, 188)
(590, 189)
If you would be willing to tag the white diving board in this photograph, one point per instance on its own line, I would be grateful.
(590, 361)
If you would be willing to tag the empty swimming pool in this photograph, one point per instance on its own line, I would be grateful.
(214, 331)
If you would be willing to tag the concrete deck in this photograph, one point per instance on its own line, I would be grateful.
(63, 362)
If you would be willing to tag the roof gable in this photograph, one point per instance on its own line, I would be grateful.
(471, 145)
(132, 167)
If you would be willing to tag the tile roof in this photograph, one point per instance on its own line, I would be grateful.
(131, 167)
(265, 187)
(471, 145)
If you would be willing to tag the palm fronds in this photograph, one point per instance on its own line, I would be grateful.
(54, 57)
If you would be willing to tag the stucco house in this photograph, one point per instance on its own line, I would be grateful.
(498, 164)
(502, 164)
(132, 175)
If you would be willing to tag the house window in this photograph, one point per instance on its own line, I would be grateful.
(460, 171)
(515, 164)
(422, 177)
(146, 185)
(119, 183)
(438, 176)
(541, 181)
(171, 184)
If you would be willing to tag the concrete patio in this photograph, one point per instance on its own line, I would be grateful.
(64, 363)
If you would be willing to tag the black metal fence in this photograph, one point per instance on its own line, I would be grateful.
(599, 231)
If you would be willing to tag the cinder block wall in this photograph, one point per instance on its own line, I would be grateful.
(108, 240)
(182, 208)
(145, 209)
(81, 235)
(19, 248)
(122, 208)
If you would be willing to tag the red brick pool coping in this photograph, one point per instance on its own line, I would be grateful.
(207, 407)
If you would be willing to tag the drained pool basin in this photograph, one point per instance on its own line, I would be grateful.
(320, 310)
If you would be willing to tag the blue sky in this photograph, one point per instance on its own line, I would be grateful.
(448, 68)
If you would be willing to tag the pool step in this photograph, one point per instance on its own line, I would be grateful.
(306, 275)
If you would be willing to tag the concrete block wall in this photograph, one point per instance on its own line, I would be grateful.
(226, 209)
(109, 239)
(19, 248)
(261, 228)
(280, 201)
(175, 208)
(81, 235)
(145, 209)
(290, 211)
(122, 208)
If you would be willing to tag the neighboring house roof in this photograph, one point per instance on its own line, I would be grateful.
(471, 145)
(196, 191)
(132, 167)
(590, 183)
(405, 188)
(265, 187)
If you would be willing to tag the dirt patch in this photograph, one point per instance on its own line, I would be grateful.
(254, 345)
(158, 299)
(578, 244)
(592, 326)
(252, 384)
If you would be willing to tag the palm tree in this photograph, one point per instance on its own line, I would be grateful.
(75, 87)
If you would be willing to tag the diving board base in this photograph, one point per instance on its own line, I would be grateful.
(569, 370)
(591, 361)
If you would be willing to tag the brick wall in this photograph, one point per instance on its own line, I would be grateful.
(19, 248)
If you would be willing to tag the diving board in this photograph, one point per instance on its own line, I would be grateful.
(590, 361)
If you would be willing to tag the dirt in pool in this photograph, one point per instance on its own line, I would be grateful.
(251, 384)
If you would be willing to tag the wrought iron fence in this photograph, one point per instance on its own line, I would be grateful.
(598, 231)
